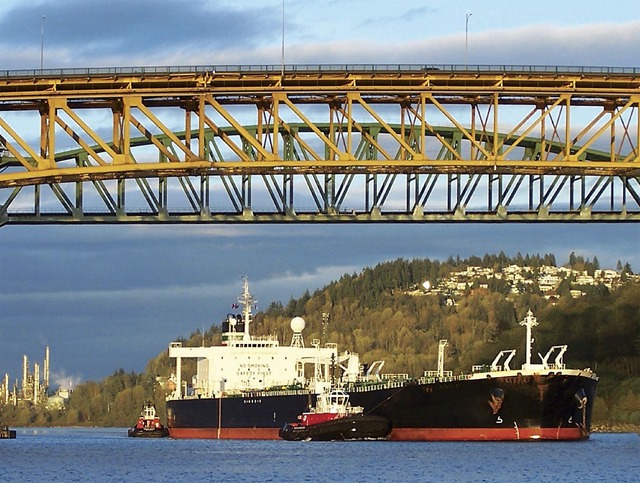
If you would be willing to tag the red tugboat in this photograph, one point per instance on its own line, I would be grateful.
(333, 418)
(6, 433)
(148, 425)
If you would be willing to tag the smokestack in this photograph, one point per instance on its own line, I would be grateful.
(6, 388)
(25, 372)
(46, 368)
(36, 382)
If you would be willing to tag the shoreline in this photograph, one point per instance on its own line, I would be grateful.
(616, 428)
(595, 428)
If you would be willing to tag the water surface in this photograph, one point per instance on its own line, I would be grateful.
(107, 454)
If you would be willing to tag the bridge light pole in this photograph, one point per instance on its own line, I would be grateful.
(282, 53)
(466, 37)
(42, 44)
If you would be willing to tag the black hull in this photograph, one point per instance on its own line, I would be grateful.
(552, 406)
(342, 429)
(148, 433)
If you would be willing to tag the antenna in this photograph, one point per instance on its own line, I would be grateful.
(325, 322)
(246, 300)
(333, 371)
(529, 322)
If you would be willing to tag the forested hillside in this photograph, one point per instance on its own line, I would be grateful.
(381, 313)
(387, 312)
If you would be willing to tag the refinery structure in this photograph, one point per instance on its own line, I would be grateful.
(32, 389)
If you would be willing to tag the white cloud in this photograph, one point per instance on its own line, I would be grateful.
(595, 43)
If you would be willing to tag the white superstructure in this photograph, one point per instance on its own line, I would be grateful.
(244, 363)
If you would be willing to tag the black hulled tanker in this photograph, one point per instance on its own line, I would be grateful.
(249, 388)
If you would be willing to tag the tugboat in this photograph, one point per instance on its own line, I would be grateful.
(334, 419)
(6, 433)
(148, 425)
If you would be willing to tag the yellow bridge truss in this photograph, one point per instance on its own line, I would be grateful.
(348, 143)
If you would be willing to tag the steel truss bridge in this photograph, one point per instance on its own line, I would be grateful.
(323, 143)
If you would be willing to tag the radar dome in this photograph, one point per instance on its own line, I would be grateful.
(297, 324)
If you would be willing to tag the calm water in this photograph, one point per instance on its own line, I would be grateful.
(97, 454)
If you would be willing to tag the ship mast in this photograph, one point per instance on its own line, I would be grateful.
(529, 322)
(246, 300)
(441, 346)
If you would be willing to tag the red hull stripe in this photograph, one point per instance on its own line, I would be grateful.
(487, 434)
(403, 434)
(224, 433)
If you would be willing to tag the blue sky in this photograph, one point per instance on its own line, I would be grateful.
(109, 297)
(180, 32)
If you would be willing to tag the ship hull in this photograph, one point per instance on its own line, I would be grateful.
(513, 406)
(340, 429)
(148, 433)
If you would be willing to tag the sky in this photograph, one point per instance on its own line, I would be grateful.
(110, 297)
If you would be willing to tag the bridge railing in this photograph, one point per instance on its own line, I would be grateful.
(328, 68)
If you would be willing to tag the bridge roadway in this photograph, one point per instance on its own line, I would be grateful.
(319, 143)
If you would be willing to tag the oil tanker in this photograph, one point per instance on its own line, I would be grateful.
(251, 387)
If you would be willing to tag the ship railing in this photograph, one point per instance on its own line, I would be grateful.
(363, 387)
(264, 337)
(484, 368)
(499, 368)
(436, 374)
(368, 379)
(279, 392)
(244, 394)
(448, 377)
(392, 377)
(313, 68)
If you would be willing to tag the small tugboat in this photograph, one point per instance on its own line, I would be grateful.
(148, 425)
(6, 433)
(334, 419)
